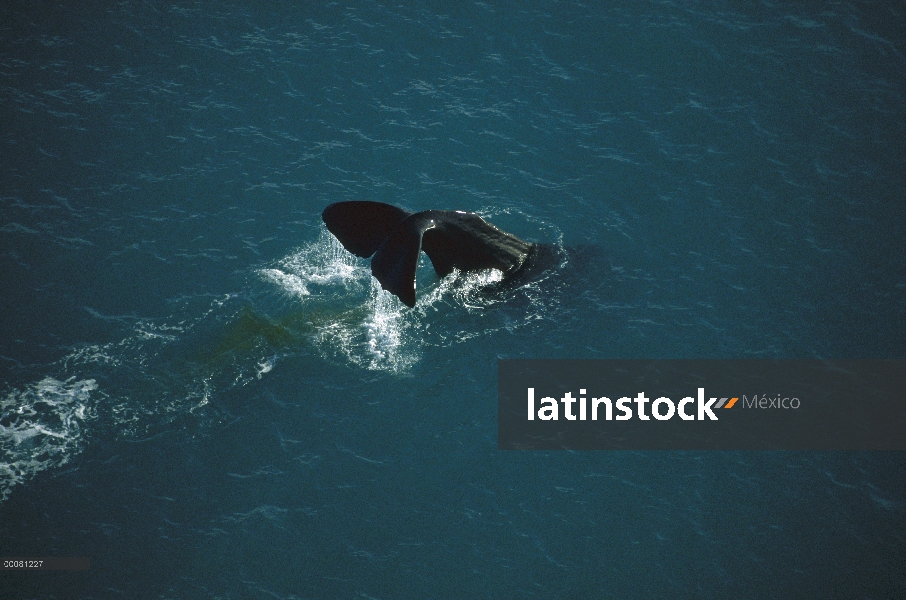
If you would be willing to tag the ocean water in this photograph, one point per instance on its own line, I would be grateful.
(206, 395)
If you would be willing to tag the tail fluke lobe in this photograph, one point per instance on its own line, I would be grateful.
(362, 226)
(395, 262)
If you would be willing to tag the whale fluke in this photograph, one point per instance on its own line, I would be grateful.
(451, 239)
(362, 226)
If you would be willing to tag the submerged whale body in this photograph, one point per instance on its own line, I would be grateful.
(395, 237)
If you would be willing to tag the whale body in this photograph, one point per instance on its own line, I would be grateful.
(452, 239)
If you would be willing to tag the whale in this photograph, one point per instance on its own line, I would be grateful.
(394, 238)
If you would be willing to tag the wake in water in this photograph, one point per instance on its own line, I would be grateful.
(131, 388)
(319, 299)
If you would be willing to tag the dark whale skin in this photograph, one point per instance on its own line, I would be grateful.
(452, 239)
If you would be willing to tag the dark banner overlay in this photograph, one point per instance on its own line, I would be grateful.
(45, 563)
(701, 404)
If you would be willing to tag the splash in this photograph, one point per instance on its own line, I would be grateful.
(376, 331)
(378, 334)
(389, 331)
(317, 267)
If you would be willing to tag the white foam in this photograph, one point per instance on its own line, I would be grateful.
(293, 284)
(324, 263)
(371, 333)
(266, 366)
(376, 331)
(41, 427)
(390, 345)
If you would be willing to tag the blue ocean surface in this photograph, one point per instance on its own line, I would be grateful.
(203, 392)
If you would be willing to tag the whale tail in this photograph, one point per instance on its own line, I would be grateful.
(451, 239)
(362, 226)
